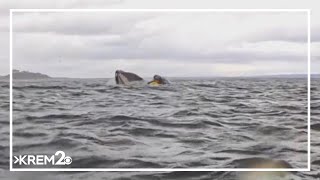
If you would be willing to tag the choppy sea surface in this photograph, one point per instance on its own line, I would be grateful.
(191, 123)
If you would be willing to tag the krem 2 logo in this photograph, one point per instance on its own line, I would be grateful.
(59, 158)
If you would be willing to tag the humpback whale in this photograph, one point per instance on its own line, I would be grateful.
(123, 77)
(157, 80)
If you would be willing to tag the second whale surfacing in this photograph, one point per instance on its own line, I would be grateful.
(125, 78)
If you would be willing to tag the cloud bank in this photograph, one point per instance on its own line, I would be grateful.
(95, 44)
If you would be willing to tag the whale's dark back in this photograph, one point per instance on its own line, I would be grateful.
(132, 76)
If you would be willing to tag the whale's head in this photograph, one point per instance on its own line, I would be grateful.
(123, 77)
(120, 78)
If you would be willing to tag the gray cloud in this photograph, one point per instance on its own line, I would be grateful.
(299, 35)
(122, 38)
(77, 23)
(202, 39)
(135, 36)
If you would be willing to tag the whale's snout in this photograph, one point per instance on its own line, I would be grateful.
(117, 76)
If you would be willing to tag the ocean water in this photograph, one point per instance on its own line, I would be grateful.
(191, 123)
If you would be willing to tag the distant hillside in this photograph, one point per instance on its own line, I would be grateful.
(16, 74)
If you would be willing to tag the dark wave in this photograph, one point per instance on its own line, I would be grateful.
(290, 107)
(123, 117)
(205, 85)
(236, 151)
(55, 116)
(102, 90)
(29, 134)
(188, 125)
(273, 129)
(185, 113)
(315, 126)
(77, 94)
(5, 86)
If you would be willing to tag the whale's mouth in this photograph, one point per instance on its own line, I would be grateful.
(121, 78)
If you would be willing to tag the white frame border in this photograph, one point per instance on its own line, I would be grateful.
(161, 169)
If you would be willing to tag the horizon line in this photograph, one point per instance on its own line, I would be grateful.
(214, 76)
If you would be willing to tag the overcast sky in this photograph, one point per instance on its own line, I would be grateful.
(95, 44)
